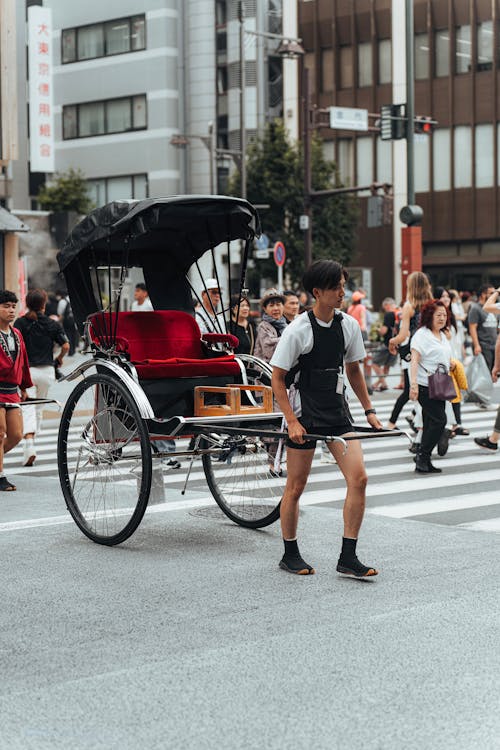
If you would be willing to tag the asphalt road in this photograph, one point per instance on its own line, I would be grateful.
(189, 636)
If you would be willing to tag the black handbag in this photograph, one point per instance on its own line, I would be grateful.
(441, 386)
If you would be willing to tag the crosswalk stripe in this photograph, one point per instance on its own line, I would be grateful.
(487, 524)
(397, 491)
(435, 505)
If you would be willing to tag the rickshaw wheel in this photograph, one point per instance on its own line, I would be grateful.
(104, 459)
(239, 477)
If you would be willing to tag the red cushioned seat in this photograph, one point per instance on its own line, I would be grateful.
(162, 344)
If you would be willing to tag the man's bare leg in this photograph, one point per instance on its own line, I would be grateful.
(11, 432)
(353, 468)
(298, 468)
(14, 420)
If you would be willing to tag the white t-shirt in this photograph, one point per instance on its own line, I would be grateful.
(206, 322)
(432, 353)
(147, 306)
(298, 338)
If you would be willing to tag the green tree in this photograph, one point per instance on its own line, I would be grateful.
(68, 191)
(275, 176)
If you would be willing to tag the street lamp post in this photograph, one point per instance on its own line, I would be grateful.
(243, 132)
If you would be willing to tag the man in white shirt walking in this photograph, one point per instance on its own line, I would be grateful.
(315, 351)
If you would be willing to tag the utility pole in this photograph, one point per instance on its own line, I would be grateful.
(306, 140)
(410, 105)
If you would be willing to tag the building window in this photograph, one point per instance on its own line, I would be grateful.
(328, 150)
(462, 151)
(102, 118)
(441, 153)
(483, 138)
(384, 61)
(364, 161)
(125, 187)
(68, 46)
(326, 70)
(221, 12)
(422, 148)
(384, 161)
(222, 80)
(310, 64)
(365, 73)
(498, 154)
(442, 48)
(485, 45)
(463, 49)
(421, 56)
(103, 39)
(345, 160)
(346, 68)
(90, 42)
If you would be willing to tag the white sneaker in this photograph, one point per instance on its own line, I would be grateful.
(29, 452)
(327, 458)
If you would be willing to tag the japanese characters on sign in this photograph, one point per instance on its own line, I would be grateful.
(40, 89)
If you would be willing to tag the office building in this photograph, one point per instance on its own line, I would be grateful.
(352, 52)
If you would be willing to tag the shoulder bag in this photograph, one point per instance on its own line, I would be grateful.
(441, 386)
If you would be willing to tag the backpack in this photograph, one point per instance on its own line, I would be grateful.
(405, 349)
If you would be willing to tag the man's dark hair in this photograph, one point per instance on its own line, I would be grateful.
(483, 289)
(6, 296)
(324, 274)
(290, 293)
(36, 299)
(142, 286)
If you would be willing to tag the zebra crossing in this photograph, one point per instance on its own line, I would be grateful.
(464, 495)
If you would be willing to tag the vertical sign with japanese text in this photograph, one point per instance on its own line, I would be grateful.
(40, 89)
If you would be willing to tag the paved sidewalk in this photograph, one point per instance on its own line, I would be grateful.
(189, 636)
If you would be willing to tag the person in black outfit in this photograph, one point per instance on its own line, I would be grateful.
(242, 327)
(40, 334)
(67, 320)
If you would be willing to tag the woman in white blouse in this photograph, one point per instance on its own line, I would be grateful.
(429, 349)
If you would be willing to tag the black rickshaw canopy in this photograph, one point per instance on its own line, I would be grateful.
(163, 236)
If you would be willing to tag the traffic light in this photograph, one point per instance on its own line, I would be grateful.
(423, 125)
(392, 122)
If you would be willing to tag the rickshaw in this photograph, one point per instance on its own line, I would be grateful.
(152, 380)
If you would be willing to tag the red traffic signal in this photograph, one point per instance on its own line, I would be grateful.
(423, 125)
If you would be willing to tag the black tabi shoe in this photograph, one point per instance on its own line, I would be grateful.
(296, 565)
(355, 569)
(6, 486)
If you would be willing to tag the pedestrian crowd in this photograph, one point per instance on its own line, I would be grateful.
(314, 339)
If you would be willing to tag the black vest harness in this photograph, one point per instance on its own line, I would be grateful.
(319, 373)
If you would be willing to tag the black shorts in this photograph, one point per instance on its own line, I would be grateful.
(337, 431)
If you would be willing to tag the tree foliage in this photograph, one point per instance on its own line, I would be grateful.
(275, 176)
(68, 191)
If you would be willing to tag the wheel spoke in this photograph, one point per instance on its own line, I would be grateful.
(104, 476)
(240, 479)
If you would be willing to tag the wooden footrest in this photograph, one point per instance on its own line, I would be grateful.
(233, 405)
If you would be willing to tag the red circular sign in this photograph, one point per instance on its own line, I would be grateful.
(279, 253)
